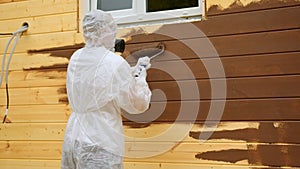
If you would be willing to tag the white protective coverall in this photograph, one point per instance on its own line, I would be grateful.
(100, 84)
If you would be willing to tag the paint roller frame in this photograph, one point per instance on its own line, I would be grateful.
(160, 46)
(150, 52)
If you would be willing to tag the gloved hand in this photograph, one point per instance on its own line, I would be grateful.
(142, 65)
(145, 62)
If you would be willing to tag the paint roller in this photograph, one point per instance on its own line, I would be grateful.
(160, 48)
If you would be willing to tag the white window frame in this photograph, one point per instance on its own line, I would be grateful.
(138, 16)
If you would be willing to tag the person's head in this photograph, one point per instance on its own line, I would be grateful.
(99, 29)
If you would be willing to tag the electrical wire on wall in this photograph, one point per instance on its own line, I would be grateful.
(17, 34)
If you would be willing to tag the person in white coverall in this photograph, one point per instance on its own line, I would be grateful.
(100, 84)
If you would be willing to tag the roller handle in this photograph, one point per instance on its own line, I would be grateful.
(140, 70)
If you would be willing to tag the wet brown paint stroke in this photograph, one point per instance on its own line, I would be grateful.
(63, 99)
(62, 52)
(286, 132)
(59, 51)
(266, 155)
(45, 68)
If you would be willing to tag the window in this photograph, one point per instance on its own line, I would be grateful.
(137, 12)
(110, 5)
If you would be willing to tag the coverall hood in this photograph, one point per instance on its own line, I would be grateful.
(99, 29)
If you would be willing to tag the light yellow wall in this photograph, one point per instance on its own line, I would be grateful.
(34, 136)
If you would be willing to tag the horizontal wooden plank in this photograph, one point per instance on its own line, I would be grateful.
(237, 88)
(54, 164)
(254, 109)
(34, 131)
(224, 132)
(171, 152)
(216, 7)
(257, 21)
(33, 8)
(234, 45)
(5, 1)
(55, 131)
(33, 96)
(41, 41)
(258, 43)
(217, 153)
(158, 165)
(38, 113)
(282, 132)
(243, 110)
(29, 164)
(37, 78)
(43, 24)
(265, 109)
(30, 150)
(24, 61)
(9, 1)
(254, 65)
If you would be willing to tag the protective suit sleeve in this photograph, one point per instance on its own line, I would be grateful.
(131, 93)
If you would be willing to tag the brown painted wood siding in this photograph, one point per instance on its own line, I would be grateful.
(257, 43)
(254, 42)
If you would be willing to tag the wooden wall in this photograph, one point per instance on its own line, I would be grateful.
(258, 43)
(38, 110)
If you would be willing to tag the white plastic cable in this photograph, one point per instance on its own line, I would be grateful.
(16, 34)
(4, 57)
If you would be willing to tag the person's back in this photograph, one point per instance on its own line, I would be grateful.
(99, 84)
